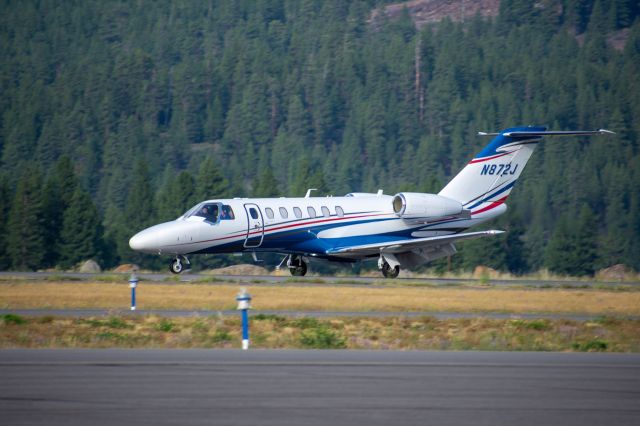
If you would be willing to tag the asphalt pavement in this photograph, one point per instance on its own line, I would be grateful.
(229, 387)
(286, 280)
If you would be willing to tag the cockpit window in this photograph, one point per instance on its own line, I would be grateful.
(209, 212)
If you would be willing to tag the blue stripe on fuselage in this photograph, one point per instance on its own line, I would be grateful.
(304, 240)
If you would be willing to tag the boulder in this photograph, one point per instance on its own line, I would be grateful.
(244, 269)
(482, 271)
(617, 272)
(90, 267)
(126, 268)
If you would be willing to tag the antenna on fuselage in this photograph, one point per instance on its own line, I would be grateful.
(309, 192)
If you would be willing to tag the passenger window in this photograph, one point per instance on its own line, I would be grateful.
(339, 211)
(253, 212)
(311, 211)
(297, 212)
(325, 211)
(284, 213)
(227, 213)
(269, 212)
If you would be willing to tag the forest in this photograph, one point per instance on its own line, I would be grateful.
(116, 115)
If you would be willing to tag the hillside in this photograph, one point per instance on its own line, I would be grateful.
(424, 12)
(114, 116)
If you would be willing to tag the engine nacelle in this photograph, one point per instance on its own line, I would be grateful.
(415, 205)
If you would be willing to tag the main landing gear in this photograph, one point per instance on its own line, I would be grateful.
(179, 264)
(387, 270)
(297, 266)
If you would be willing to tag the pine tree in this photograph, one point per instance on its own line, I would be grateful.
(489, 251)
(585, 245)
(266, 185)
(559, 252)
(81, 233)
(5, 204)
(58, 192)
(572, 248)
(210, 182)
(515, 251)
(139, 213)
(139, 210)
(176, 196)
(27, 228)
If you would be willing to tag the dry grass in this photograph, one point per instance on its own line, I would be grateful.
(269, 331)
(20, 295)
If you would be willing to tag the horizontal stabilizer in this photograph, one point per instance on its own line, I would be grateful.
(526, 134)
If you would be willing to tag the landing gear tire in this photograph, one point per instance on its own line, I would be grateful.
(297, 267)
(179, 265)
(390, 272)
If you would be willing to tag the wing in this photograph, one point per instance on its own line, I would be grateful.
(402, 246)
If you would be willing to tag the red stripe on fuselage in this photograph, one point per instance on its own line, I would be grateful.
(244, 234)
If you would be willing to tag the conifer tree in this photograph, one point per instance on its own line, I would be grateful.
(586, 243)
(266, 184)
(364, 101)
(59, 189)
(5, 204)
(176, 196)
(27, 228)
(81, 233)
(211, 181)
(559, 252)
(139, 213)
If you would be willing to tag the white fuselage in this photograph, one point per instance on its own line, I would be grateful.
(311, 226)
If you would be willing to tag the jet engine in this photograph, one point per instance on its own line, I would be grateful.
(414, 205)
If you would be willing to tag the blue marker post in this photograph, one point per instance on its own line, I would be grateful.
(133, 283)
(244, 304)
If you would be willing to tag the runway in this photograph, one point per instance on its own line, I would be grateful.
(286, 280)
(227, 387)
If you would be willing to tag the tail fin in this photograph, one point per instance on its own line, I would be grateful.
(486, 181)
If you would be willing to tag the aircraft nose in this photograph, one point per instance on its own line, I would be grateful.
(142, 241)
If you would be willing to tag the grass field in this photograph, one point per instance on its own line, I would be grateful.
(25, 295)
(271, 331)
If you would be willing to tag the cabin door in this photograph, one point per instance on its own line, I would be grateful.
(255, 226)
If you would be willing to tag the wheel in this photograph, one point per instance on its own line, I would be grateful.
(176, 266)
(299, 269)
(390, 272)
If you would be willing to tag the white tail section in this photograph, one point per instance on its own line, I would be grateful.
(487, 180)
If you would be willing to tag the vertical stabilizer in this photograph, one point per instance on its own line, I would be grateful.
(486, 181)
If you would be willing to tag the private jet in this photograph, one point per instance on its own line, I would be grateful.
(405, 230)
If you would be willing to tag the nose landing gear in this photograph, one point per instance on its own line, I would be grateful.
(179, 264)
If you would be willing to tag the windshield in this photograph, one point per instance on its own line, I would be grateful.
(211, 212)
(208, 211)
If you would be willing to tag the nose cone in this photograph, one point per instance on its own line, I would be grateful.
(144, 241)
